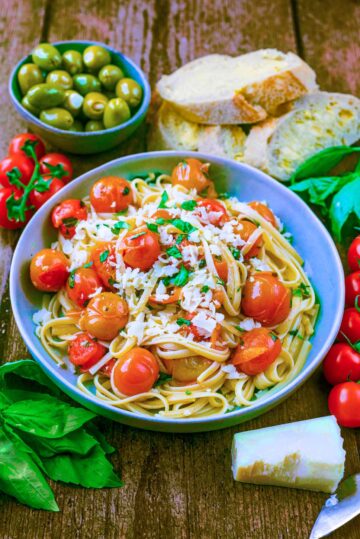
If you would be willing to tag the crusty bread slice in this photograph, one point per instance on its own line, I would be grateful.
(316, 121)
(170, 131)
(219, 89)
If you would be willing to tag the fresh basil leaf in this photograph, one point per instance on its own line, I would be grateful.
(183, 322)
(49, 418)
(184, 226)
(78, 442)
(319, 189)
(181, 278)
(163, 200)
(70, 221)
(20, 476)
(163, 378)
(11, 374)
(323, 161)
(346, 203)
(152, 227)
(103, 256)
(95, 432)
(120, 225)
(92, 470)
(189, 205)
(174, 251)
(205, 289)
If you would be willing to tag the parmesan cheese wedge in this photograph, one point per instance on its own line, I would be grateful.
(306, 454)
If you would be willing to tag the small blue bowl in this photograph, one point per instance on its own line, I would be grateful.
(311, 240)
(92, 142)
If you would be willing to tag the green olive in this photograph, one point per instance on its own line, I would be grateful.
(116, 112)
(130, 91)
(95, 57)
(28, 76)
(73, 102)
(94, 105)
(77, 127)
(110, 75)
(57, 117)
(33, 110)
(72, 62)
(94, 125)
(46, 56)
(85, 83)
(60, 78)
(44, 96)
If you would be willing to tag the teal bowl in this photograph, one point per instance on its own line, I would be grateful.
(311, 240)
(85, 143)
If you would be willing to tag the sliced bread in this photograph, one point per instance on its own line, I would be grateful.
(219, 89)
(316, 121)
(170, 131)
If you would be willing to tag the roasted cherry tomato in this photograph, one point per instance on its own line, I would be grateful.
(342, 363)
(344, 404)
(105, 315)
(188, 369)
(103, 257)
(140, 248)
(266, 299)
(136, 372)
(67, 214)
(11, 224)
(216, 212)
(57, 165)
(38, 198)
(174, 296)
(111, 194)
(353, 255)
(352, 288)
(264, 211)
(191, 328)
(258, 348)
(191, 174)
(49, 270)
(85, 351)
(81, 284)
(17, 143)
(18, 166)
(221, 268)
(245, 231)
(350, 325)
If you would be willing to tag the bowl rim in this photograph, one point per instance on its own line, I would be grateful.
(267, 402)
(71, 134)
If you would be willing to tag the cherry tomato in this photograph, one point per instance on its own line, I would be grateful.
(37, 198)
(49, 270)
(245, 231)
(191, 174)
(67, 214)
(105, 315)
(353, 255)
(264, 211)
(352, 288)
(140, 248)
(344, 404)
(136, 372)
(111, 194)
(57, 165)
(85, 351)
(342, 363)
(266, 299)
(258, 348)
(103, 257)
(21, 167)
(216, 212)
(350, 325)
(222, 269)
(81, 284)
(188, 369)
(174, 296)
(5, 222)
(18, 142)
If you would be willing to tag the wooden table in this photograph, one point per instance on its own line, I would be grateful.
(177, 486)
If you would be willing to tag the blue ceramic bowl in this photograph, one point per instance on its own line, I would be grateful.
(311, 240)
(85, 143)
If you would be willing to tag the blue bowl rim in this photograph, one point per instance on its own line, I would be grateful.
(267, 402)
(71, 134)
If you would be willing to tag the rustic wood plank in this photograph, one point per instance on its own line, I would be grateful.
(177, 486)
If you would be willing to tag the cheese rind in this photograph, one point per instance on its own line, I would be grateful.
(306, 454)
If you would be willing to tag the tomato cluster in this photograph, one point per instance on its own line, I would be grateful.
(28, 178)
(342, 363)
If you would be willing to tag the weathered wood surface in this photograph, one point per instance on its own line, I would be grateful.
(177, 486)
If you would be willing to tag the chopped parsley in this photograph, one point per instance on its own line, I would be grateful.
(188, 392)
(120, 225)
(122, 212)
(189, 205)
(240, 329)
(126, 191)
(202, 263)
(71, 280)
(69, 221)
(104, 255)
(152, 227)
(88, 265)
(180, 238)
(160, 221)
(183, 322)
(303, 291)
(111, 281)
(205, 289)
(220, 281)
(163, 378)
(163, 200)
(295, 333)
(235, 252)
(273, 336)
(174, 251)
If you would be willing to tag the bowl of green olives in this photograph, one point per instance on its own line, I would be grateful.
(82, 96)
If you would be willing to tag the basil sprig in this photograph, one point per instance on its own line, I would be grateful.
(42, 435)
